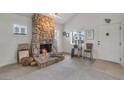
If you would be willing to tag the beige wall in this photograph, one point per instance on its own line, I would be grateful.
(122, 39)
(9, 41)
(92, 21)
(59, 29)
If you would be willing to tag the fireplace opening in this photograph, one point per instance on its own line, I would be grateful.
(48, 47)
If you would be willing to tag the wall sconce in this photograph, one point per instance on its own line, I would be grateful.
(65, 34)
(107, 20)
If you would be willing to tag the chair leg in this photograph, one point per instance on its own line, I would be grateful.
(91, 56)
(84, 55)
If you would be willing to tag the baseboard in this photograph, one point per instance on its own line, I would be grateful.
(107, 61)
(3, 65)
(122, 63)
(66, 53)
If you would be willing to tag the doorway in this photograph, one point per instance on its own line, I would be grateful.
(109, 43)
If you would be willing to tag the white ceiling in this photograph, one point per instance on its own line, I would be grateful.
(64, 17)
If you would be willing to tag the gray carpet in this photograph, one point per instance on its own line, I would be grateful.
(68, 69)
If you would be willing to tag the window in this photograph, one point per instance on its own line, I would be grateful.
(76, 36)
(23, 30)
(19, 29)
(16, 29)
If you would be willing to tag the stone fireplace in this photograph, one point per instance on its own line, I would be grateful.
(43, 33)
(43, 42)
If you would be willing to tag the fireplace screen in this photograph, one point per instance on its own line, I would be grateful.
(48, 47)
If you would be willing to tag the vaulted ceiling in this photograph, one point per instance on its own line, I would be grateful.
(64, 17)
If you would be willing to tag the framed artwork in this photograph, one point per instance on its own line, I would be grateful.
(22, 54)
(90, 34)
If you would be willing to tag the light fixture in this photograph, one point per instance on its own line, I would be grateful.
(107, 20)
(55, 15)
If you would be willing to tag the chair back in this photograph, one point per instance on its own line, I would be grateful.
(75, 46)
(89, 46)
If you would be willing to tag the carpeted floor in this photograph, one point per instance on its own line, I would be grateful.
(68, 69)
